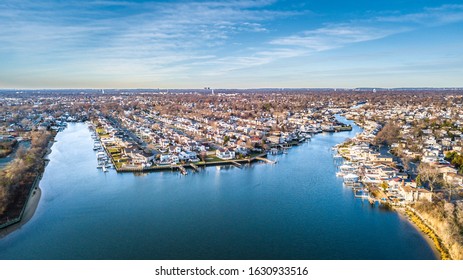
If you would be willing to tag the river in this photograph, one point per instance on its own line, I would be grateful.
(296, 209)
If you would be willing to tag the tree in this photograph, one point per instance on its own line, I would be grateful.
(428, 174)
(3, 193)
(388, 135)
(418, 181)
(249, 144)
(449, 186)
(202, 155)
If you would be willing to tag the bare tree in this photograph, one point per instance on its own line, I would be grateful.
(429, 174)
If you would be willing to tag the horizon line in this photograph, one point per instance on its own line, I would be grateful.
(237, 88)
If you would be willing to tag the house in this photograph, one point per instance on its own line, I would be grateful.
(453, 178)
(225, 154)
(241, 150)
(6, 138)
(397, 182)
(414, 194)
(183, 156)
(164, 159)
(193, 156)
(447, 169)
(384, 158)
(174, 159)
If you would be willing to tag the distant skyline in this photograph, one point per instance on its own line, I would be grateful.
(232, 44)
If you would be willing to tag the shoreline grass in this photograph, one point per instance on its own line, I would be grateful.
(413, 218)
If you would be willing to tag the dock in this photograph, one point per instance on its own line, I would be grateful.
(195, 167)
(236, 164)
(266, 160)
(182, 170)
(362, 194)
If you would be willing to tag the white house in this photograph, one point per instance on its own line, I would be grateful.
(225, 154)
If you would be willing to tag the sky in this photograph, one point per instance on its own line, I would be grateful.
(230, 44)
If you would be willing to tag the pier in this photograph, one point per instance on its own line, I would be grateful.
(266, 160)
(195, 167)
(182, 170)
(236, 164)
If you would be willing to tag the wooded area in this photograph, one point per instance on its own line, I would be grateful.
(17, 177)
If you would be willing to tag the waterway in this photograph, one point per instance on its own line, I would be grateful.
(296, 209)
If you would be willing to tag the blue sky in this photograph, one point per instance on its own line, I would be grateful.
(232, 44)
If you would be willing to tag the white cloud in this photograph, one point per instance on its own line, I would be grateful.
(444, 14)
(337, 35)
(156, 35)
(333, 36)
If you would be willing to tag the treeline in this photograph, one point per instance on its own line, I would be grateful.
(16, 178)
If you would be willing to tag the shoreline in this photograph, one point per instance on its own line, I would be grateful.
(32, 199)
(29, 211)
(402, 212)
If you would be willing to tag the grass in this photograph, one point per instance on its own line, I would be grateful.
(429, 232)
(213, 159)
(254, 154)
(100, 130)
(113, 150)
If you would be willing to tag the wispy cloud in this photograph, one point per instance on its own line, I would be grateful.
(333, 36)
(444, 14)
(337, 35)
(161, 33)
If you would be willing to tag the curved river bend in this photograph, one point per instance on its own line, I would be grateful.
(296, 209)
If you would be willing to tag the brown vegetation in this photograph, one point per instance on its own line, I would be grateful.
(447, 220)
(429, 174)
(6, 148)
(388, 135)
(16, 179)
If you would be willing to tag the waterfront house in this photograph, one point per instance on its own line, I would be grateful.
(414, 194)
(164, 159)
(225, 154)
(174, 159)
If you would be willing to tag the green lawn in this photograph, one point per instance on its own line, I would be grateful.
(213, 159)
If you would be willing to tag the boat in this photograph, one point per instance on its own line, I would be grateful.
(101, 156)
(96, 145)
(351, 178)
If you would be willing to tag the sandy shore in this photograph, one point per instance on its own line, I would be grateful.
(404, 216)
